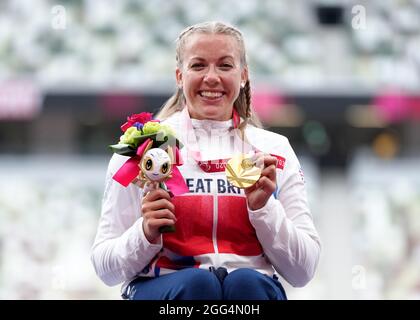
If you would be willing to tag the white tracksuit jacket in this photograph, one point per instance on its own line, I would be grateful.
(214, 225)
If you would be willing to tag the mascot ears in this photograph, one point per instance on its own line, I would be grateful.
(175, 156)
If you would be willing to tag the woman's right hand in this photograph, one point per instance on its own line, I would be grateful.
(158, 211)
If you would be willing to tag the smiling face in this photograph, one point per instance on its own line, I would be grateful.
(156, 164)
(211, 75)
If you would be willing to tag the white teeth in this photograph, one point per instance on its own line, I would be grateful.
(210, 94)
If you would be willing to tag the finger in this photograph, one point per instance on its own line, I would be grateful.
(263, 160)
(157, 205)
(270, 160)
(266, 185)
(251, 188)
(269, 172)
(157, 223)
(160, 214)
(157, 194)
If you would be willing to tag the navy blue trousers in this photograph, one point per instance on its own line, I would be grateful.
(200, 284)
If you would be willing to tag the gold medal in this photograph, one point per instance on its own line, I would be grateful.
(241, 171)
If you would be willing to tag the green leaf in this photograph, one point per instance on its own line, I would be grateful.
(139, 140)
(123, 149)
(169, 140)
(158, 139)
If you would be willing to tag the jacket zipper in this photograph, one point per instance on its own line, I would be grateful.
(214, 231)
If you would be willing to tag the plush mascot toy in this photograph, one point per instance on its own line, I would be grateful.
(153, 152)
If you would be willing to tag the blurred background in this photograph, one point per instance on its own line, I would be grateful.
(340, 79)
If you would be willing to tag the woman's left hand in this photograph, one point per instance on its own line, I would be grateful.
(258, 194)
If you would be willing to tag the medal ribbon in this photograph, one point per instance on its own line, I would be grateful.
(215, 165)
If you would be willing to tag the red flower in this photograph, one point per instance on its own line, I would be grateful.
(139, 117)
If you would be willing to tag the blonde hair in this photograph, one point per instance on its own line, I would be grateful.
(243, 103)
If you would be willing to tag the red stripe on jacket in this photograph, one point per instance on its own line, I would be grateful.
(194, 227)
(193, 235)
(235, 233)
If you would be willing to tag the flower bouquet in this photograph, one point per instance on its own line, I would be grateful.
(153, 152)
